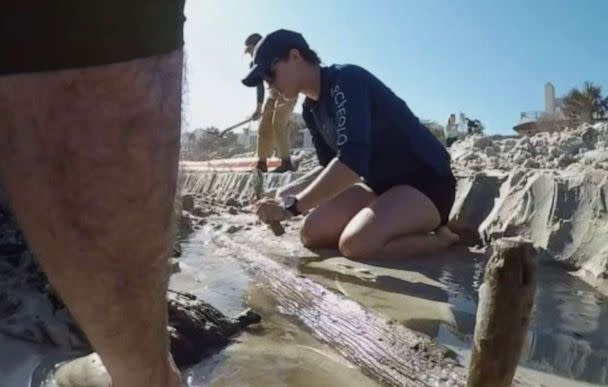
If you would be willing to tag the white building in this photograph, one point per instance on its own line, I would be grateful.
(549, 119)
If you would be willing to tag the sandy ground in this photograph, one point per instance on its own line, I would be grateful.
(434, 295)
(437, 295)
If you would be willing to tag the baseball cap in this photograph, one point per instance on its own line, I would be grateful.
(272, 46)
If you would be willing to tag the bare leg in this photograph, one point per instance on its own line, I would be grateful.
(89, 159)
(323, 226)
(396, 225)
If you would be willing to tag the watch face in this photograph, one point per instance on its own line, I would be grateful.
(289, 201)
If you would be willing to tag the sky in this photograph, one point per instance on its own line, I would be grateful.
(488, 59)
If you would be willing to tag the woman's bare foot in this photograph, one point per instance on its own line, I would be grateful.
(469, 236)
(445, 234)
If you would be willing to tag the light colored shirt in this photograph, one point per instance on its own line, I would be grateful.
(451, 131)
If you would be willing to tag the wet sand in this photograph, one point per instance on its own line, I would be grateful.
(435, 295)
(438, 296)
(275, 353)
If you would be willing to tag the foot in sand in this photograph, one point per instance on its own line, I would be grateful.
(447, 236)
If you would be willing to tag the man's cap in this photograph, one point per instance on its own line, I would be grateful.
(274, 45)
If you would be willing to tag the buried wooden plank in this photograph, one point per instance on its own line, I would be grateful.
(505, 305)
(384, 350)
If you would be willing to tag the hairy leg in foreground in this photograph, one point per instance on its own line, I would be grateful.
(88, 158)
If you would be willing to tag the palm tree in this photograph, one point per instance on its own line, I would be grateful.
(585, 105)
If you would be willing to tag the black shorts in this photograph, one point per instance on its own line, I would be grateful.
(440, 189)
(39, 35)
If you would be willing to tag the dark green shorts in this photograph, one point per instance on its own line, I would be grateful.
(46, 35)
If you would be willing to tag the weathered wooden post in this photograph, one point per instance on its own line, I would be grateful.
(506, 298)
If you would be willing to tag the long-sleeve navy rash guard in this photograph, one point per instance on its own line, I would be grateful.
(371, 130)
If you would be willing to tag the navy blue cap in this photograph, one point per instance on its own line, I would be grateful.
(272, 46)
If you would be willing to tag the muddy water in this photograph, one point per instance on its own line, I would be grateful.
(567, 342)
(275, 353)
(567, 345)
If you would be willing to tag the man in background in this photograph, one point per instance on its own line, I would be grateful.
(273, 130)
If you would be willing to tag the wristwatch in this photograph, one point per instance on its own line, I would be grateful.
(290, 203)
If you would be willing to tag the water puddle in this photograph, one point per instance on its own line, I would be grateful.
(438, 296)
(275, 353)
(566, 346)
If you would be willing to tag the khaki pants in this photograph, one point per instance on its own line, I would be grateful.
(273, 133)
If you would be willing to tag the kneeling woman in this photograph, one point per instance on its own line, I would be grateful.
(386, 188)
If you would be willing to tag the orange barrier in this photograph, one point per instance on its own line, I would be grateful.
(227, 165)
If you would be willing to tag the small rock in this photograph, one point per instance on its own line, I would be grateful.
(490, 151)
(530, 163)
(174, 266)
(201, 212)
(177, 249)
(232, 202)
(185, 223)
(590, 137)
(233, 211)
(234, 228)
(520, 158)
(565, 160)
(470, 156)
(187, 202)
(217, 227)
(482, 142)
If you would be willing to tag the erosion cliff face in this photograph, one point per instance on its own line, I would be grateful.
(564, 213)
(550, 188)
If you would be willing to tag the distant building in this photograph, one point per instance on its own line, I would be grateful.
(550, 119)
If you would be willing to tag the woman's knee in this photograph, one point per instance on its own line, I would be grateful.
(358, 245)
(311, 233)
